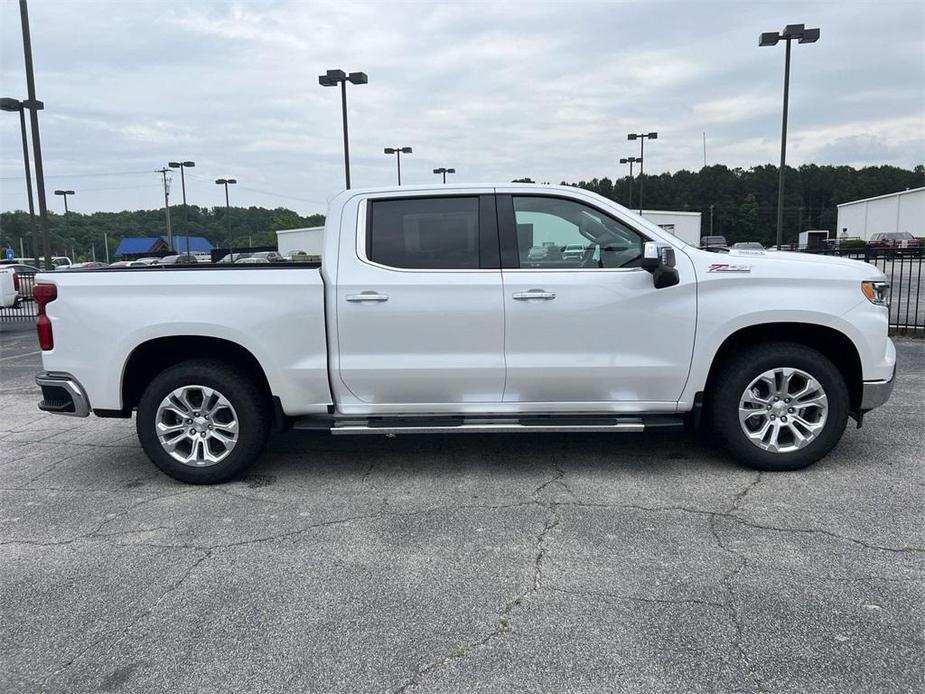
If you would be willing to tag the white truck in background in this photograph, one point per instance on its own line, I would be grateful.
(453, 309)
(9, 291)
(812, 239)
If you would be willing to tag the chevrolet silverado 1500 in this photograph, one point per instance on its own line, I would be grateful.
(429, 313)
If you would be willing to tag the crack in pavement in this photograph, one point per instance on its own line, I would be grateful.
(635, 598)
(727, 584)
(128, 627)
(502, 627)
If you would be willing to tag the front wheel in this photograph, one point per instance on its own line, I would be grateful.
(203, 421)
(780, 406)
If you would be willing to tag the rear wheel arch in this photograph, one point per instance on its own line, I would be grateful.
(835, 345)
(154, 356)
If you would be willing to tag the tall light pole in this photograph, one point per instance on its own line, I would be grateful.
(331, 79)
(7, 104)
(443, 170)
(34, 105)
(642, 137)
(163, 172)
(183, 165)
(791, 32)
(631, 161)
(398, 151)
(67, 221)
(227, 182)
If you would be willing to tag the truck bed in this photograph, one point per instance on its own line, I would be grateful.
(274, 311)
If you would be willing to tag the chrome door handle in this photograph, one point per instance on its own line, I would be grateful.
(367, 296)
(534, 294)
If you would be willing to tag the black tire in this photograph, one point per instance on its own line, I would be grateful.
(733, 379)
(249, 400)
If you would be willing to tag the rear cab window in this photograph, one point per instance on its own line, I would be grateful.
(432, 233)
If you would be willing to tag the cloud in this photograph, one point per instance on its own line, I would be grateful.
(497, 90)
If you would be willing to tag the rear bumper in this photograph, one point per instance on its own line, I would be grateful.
(876, 393)
(62, 394)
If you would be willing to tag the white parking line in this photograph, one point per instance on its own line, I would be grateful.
(20, 356)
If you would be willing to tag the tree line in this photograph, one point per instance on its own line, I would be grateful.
(83, 233)
(743, 202)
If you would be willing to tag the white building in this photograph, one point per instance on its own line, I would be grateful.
(902, 211)
(308, 240)
(684, 225)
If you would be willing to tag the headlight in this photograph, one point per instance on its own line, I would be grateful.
(876, 292)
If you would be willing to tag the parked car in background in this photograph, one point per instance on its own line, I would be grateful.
(181, 259)
(251, 260)
(573, 251)
(298, 257)
(713, 242)
(748, 246)
(426, 315)
(148, 261)
(233, 257)
(90, 265)
(895, 242)
(128, 263)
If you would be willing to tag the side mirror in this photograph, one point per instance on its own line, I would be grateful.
(661, 263)
(651, 258)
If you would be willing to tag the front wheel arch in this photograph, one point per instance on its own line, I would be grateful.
(833, 344)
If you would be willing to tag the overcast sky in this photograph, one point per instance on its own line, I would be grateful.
(498, 90)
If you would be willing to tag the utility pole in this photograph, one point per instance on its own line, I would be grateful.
(163, 172)
(704, 149)
(36, 139)
(106, 245)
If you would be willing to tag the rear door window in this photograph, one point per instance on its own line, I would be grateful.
(424, 233)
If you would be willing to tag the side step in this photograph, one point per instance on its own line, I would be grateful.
(499, 425)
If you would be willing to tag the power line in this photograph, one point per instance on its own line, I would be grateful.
(84, 175)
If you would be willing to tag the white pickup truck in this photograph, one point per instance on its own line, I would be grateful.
(429, 313)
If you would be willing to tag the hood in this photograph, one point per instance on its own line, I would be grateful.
(794, 264)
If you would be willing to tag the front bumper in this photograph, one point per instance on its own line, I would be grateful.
(876, 393)
(62, 394)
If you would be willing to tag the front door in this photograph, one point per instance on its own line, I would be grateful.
(420, 314)
(584, 323)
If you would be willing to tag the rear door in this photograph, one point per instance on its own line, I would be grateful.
(589, 328)
(420, 314)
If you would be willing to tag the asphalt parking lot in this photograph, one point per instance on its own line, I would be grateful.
(549, 563)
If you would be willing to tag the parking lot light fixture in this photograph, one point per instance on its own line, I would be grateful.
(398, 151)
(227, 182)
(792, 32)
(64, 194)
(443, 170)
(332, 78)
(15, 105)
(642, 137)
(630, 161)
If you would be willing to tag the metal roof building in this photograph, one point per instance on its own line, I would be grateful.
(902, 211)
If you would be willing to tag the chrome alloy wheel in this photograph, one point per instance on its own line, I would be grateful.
(197, 426)
(783, 410)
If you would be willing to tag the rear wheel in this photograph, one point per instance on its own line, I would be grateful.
(203, 421)
(780, 406)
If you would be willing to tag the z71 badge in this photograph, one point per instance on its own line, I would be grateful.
(726, 267)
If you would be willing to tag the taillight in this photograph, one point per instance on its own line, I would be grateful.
(44, 294)
(16, 281)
